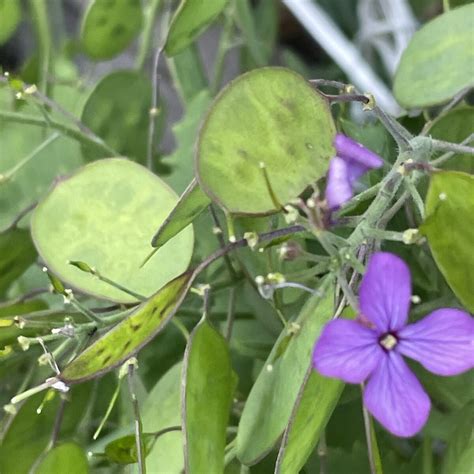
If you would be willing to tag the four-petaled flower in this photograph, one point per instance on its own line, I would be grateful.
(352, 160)
(371, 347)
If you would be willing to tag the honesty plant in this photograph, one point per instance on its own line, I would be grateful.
(213, 271)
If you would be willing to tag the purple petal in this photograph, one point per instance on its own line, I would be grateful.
(443, 342)
(338, 186)
(385, 291)
(351, 150)
(395, 397)
(355, 171)
(347, 350)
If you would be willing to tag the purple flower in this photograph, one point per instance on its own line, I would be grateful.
(352, 160)
(371, 347)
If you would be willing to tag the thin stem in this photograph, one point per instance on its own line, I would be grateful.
(153, 113)
(390, 213)
(230, 313)
(348, 293)
(43, 100)
(220, 238)
(455, 101)
(21, 214)
(66, 130)
(399, 133)
(440, 160)
(380, 234)
(417, 199)
(440, 145)
(181, 328)
(372, 447)
(32, 391)
(138, 422)
(108, 411)
(322, 453)
(358, 198)
(224, 46)
(347, 98)
(57, 423)
(427, 466)
(120, 287)
(148, 29)
(11, 172)
(43, 30)
(85, 311)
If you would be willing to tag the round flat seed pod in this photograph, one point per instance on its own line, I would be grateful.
(438, 61)
(109, 26)
(269, 118)
(118, 111)
(104, 216)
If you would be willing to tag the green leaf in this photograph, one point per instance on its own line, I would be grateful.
(118, 111)
(130, 335)
(124, 450)
(455, 127)
(461, 446)
(67, 457)
(316, 401)
(269, 116)
(17, 253)
(10, 17)
(161, 410)
(109, 26)
(449, 228)
(30, 432)
(186, 131)
(207, 392)
(247, 23)
(191, 18)
(187, 64)
(104, 216)
(190, 205)
(273, 396)
(438, 61)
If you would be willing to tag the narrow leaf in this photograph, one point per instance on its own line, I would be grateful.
(274, 394)
(190, 205)
(208, 387)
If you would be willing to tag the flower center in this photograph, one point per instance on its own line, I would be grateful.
(388, 341)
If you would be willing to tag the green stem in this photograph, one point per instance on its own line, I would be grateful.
(224, 46)
(427, 467)
(375, 461)
(109, 410)
(440, 145)
(66, 130)
(381, 234)
(181, 328)
(43, 30)
(138, 422)
(11, 172)
(147, 35)
(417, 199)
